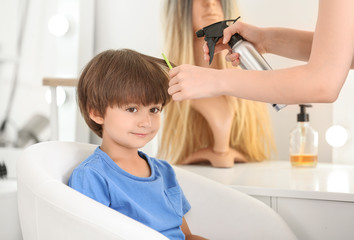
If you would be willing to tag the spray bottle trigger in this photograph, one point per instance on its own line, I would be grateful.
(212, 35)
(211, 45)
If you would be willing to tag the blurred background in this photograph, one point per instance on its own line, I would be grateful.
(56, 38)
(41, 39)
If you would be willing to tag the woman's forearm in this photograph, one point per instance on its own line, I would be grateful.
(290, 43)
(295, 85)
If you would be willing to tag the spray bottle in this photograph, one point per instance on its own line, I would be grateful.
(250, 58)
(303, 141)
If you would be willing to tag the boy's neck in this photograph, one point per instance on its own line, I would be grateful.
(119, 153)
(128, 160)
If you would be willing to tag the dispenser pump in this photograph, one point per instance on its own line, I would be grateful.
(303, 116)
(303, 141)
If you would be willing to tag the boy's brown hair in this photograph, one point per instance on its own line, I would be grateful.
(119, 77)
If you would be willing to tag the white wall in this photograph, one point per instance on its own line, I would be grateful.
(343, 114)
(129, 24)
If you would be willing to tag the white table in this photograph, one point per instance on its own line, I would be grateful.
(317, 203)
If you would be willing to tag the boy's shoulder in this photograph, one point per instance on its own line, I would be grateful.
(91, 169)
(94, 161)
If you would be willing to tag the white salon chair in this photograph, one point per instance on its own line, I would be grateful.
(49, 209)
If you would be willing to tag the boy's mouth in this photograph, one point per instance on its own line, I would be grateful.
(142, 135)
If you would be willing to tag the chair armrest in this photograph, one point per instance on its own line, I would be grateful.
(81, 217)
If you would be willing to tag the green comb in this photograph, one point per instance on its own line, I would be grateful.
(166, 60)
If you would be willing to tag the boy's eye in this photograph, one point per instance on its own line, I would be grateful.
(155, 110)
(132, 109)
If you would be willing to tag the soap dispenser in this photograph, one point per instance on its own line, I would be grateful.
(303, 141)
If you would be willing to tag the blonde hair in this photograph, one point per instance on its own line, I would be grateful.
(185, 130)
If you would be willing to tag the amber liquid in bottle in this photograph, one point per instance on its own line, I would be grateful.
(304, 160)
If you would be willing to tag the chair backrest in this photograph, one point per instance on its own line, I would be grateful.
(220, 212)
(49, 209)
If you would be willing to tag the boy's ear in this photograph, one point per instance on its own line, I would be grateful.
(96, 116)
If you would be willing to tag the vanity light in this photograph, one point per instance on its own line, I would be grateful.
(337, 136)
(61, 96)
(58, 25)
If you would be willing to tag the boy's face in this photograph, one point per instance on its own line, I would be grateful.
(131, 126)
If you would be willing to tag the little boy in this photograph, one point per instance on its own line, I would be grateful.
(121, 94)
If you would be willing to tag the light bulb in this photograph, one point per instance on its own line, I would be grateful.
(337, 136)
(58, 25)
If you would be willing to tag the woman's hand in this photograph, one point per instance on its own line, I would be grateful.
(230, 57)
(190, 82)
(250, 33)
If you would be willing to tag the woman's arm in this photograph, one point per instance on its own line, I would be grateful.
(320, 80)
(290, 43)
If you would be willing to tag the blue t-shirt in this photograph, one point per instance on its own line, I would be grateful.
(156, 201)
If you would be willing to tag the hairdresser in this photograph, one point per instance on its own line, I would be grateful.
(328, 52)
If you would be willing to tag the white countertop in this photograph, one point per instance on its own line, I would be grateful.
(280, 179)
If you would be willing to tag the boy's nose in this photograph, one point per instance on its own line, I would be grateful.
(145, 121)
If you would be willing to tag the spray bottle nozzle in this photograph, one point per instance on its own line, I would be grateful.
(303, 116)
(200, 33)
(214, 32)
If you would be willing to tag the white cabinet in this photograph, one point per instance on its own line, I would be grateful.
(264, 199)
(318, 219)
(317, 203)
